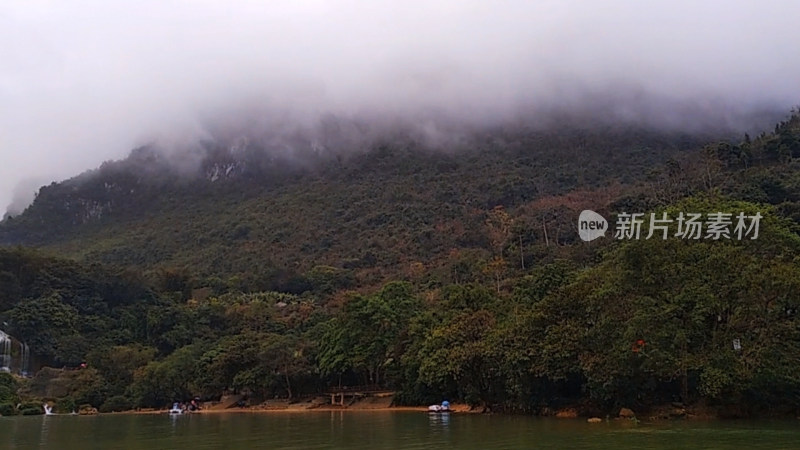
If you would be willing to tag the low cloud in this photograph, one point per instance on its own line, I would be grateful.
(87, 80)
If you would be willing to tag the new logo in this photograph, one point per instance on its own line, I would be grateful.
(591, 225)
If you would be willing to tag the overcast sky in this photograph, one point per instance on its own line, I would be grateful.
(83, 81)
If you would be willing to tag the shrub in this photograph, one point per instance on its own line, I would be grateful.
(7, 395)
(66, 405)
(115, 404)
(7, 409)
(32, 411)
(7, 380)
(32, 405)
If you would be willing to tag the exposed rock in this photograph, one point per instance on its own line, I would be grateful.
(626, 413)
(87, 411)
(594, 420)
(567, 413)
(677, 412)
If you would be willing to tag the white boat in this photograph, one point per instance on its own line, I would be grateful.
(443, 408)
(176, 409)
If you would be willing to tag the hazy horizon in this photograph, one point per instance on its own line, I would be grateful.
(86, 81)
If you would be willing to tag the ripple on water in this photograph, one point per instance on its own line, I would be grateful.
(378, 430)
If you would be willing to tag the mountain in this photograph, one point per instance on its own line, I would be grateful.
(237, 210)
(438, 274)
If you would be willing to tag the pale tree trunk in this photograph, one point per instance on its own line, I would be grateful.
(546, 240)
(684, 375)
(288, 383)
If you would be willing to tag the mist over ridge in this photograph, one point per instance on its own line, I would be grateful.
(87, 81)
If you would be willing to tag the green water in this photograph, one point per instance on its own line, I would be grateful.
(379, 430)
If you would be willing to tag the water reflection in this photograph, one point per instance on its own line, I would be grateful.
(45, 431)
(439, 421)
(376, 431)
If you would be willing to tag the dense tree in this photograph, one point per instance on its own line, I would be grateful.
(286, 288)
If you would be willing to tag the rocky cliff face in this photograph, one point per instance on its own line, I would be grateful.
(224, 206)
(139, 185)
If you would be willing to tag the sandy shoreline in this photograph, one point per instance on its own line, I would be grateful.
(302, 408)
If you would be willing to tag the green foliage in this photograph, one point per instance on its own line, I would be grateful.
(119, 363)
(30, 409)
(336, 225)
(8, 409)
(327, 279)
(66, 405)
(367, 337)
(115, 404)
(7, 394)
(438, 276)
(169, 380)
(45, 322)
(462, 354)
(8, 388)
(88, 386)
(688, 301)
(543, 281)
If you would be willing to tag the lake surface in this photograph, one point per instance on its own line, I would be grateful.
(380, 430)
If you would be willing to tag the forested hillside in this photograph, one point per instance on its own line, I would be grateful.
(438, 274)
(266, 223)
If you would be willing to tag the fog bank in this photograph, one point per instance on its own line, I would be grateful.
(87, 80)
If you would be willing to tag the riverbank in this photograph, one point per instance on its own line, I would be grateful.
(663, 413)
(237, 430)
(368, 404)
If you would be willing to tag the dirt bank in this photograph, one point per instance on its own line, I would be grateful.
(374, 404)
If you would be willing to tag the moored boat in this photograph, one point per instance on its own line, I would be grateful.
(443, 408)
(176, 409)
